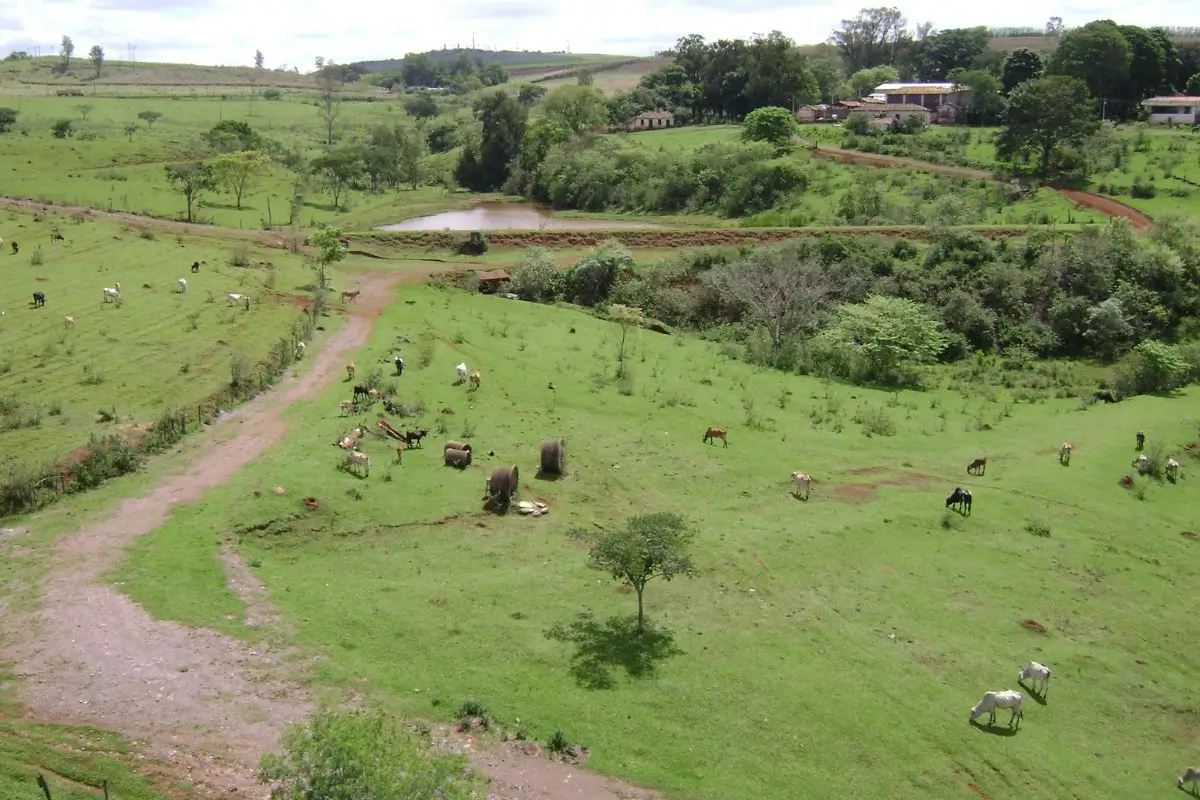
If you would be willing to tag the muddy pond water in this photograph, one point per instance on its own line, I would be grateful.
(508, 216)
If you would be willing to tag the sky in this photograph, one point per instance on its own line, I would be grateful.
(294, 32)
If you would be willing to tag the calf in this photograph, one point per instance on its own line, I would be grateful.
(355, 459)
(1106, 396)
(475, 379)
(1171, 468)
(1142, 463)
(399, 362)
(461, 371)
(978, 466)
(39, 299)
(712, 434)
(350, 371)
(1141, 440)
(300, 349)
(55, 236)
(350, 296)
(182, 286)
(413, 438)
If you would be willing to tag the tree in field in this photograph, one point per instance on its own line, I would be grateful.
(1046, 117)
(96, 56)
(594, 275)
(872, 38)
(421, 106)
(1193, 85)
(232, 135)
(777, 288)
(1147, 64)
(1108, 328)
(338, 169)
(627, 317)
(538, 278)
(8, 118)
(65, 51)
(258, 59)
(1098, 54)
(192, 179)
(238, 171)
(864, 81)
(149, 117)
(956, 48)
(356, 755)
(63, 129)
(529, 94)
(330, 82)
(1020, 65)
(771, 124)
(648, 546)
(580, 107)
(130, 129)
(886, 336)
(327, 243)
(484, 166)
(84, 109)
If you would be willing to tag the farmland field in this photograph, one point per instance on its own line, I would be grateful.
(840, 640)
(608, 79)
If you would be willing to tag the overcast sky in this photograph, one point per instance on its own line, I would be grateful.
(292, 32)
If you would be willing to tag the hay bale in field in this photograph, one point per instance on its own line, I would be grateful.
(552, 457)
(502, 485)
(453, 445)
(457, 458)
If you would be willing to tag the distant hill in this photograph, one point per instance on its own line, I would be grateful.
(46, 71)
(1006, 39)
(516, 61)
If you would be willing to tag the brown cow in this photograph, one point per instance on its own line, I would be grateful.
(350, 296)
(715, 433)
(978, 466)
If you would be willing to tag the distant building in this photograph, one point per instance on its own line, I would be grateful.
(930, 95)
(1181, 109)
(651, 120)
(490, 281)
(892, 111)
(810, 113)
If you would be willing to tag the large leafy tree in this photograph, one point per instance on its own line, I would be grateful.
(191, 179)
(1045, 117)
(874, 37)
(1097, 54)
(886, 335)
(579, 108)
(987, 104)
(1147, 64)
(484, 165)
(1020, 65)
(945, 51)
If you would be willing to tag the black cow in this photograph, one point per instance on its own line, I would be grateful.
(413, 438)
(361, 390)
(195, 266)
(399, 362)
(961, 498)
(15, 248)
(1141, 440)
(39, 299)
(1105, 395)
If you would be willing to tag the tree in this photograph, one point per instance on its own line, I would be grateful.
(580, 108)
(648, 546)
(956, 48)
(84, 109)
(1046, 116)
(63, 129)
(149, 117)
(987, 104)
(872, 38)
(1108, 328)
(8, 118)
(595, 274)
(65, 51)
(771, 124)
(232, 135)
(421, 106)
(1193, 85)
(886, 335)
(538, 277)
(1172, 75)
(529, 94)
(338, 169)
(96, 56)
(130, 129)
(1098, 55)
(1147, 64)
(238, 171)
(627, 317)
(863, 82)
(327, 243)
(355, 755)
(1020, 65)
(329, 95)
(192, 179)
(258, 59)
(485, 166)
(779, 289)
(584, 77)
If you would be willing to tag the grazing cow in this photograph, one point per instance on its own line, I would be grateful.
(994, 700)
(475, 378)
(1034, 673)
(195, 266)
(350, 297)
(350, 371)
(39, 299)
(1172, 469)
(413, 438)
(1064, 454)
(1141, 440)
(300, 350)
(348, 407)
(1192, 776)
(1142, 463)
(712, 434)
(960, 500)
(461, 372)
(361, 390)
(399, 362)
(112, 294)
(15, 248)
(55, 236)
(183, 286)
(1106, 396)
(803, 484)
(978, 466)
(355, 459)
(234, 297)
(69, 322)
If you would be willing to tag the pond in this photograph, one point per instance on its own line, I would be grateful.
(508, 216)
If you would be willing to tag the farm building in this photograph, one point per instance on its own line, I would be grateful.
(886, 112)
(843, 108)
(812, 113)
(648, 120)
(1180, 108)
(491, 280)
(930, 95)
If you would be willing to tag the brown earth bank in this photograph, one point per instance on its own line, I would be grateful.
(203, 706)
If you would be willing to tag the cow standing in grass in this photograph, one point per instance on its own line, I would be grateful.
(712, 434)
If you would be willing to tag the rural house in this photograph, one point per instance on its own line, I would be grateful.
(811, 113)
(843, 108)
(898, 111)
(648, 120)
(1181, 108)
(491, 280)
(932, 96)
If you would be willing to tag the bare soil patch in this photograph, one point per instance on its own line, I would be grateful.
(867, 491)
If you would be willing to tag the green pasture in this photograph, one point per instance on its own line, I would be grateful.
(609, 79)
(124, 365)
(829, 648)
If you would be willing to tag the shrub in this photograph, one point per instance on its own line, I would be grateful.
(272, 94)
(63, 129)
(474, 245)
(1037, 527)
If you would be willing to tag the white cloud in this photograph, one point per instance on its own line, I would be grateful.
(293, 32)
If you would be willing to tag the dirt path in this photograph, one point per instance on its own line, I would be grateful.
(1096, 202)
(207, 705)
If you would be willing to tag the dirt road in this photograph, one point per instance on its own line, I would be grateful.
(205, 704)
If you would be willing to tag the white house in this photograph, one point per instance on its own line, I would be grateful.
(1180, 109)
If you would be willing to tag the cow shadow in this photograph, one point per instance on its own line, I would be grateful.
(1040, 699)
(994, 730)
(602, 648)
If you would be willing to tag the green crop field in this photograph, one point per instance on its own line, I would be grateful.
(840, 641)
(619, 77)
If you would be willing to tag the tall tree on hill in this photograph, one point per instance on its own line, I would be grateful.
(872, 38)
(1147, 64)
(1098, 54)
(65, 51)
(259, 60)
(1192, 87)
(96, 56)
(1046, 117)
(1171, 64)
(579, 108)
(419, 70)
(778, 75)
(192, 180)
(955, 48)
(1020, 65)
(485, 166)
(330, 83)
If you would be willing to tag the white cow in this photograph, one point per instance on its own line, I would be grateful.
(112, 294)
(69, 322)
(300, 348)
(234, 297)
(183, 285)
(461, 371)
(803, 484)
(1192, 776)
(993, 700)
(1172, 468)
(1142, 463)
(1034, 673)
(355, 459)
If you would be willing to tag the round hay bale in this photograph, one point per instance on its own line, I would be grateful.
(502, 485)
(552, 457)
(457, 458)
(454, 445)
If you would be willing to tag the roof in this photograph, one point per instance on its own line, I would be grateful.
(898, 107)
(492, 275)
(1177, 100)
(927, 88)
(655, 115)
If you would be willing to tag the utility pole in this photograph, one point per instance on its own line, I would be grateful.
(1103, 109)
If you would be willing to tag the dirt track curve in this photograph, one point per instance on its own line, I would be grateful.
(204, 704)
(1096, 202)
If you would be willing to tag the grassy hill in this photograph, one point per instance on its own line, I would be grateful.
(46, 73)
(517, 62)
